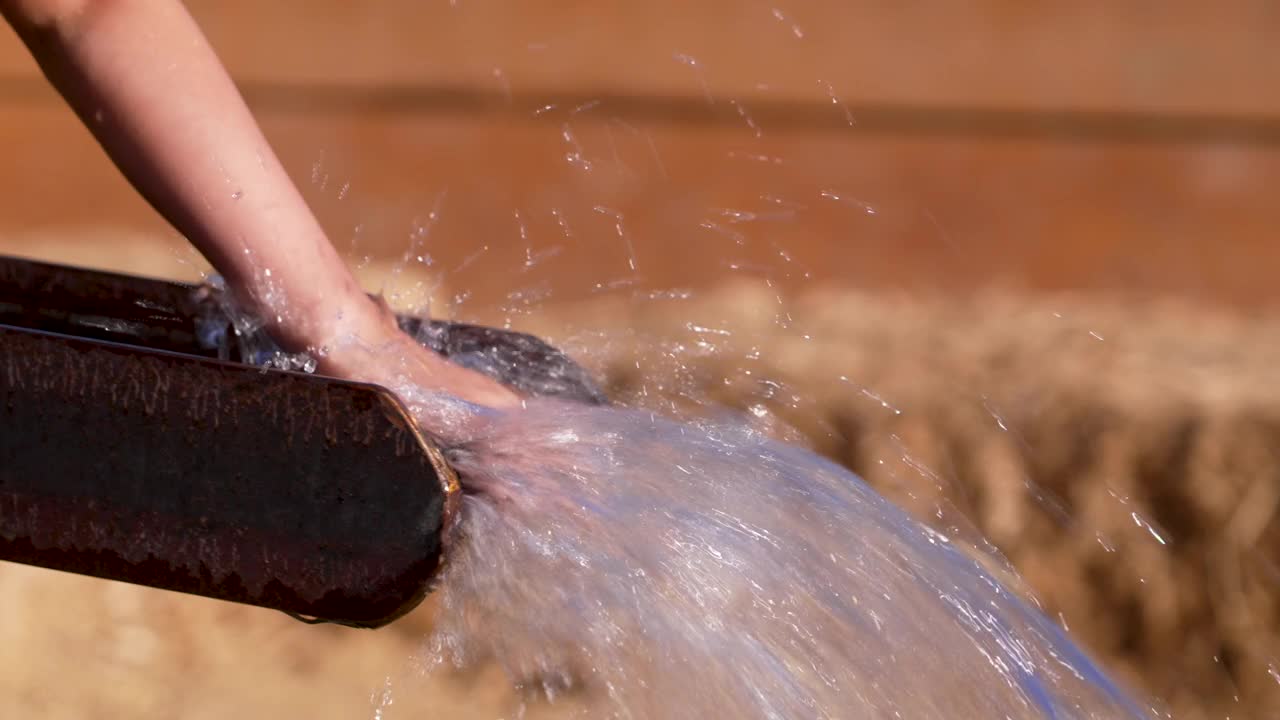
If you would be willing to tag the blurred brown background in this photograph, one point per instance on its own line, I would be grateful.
(1081, 145)
(874, 171)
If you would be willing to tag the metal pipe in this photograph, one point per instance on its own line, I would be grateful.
(129, 451)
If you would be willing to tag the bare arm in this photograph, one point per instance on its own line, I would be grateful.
(142, 77)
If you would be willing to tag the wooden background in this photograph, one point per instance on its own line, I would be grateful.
(573, 148)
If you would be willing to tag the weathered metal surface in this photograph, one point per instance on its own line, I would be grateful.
(130, 451)
(155, 314)
(304, 494)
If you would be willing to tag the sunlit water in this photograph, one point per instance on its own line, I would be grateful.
(645, 568)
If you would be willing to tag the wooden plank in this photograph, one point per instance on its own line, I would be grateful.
(691, 206)
(1181, 56)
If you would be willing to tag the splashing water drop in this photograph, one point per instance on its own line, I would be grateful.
(755, 157)
(782, 18)
(575, 156)
(746, 117)
(318, 174)
(835, 100)
(622, 233)
(692, 62)
(382, 699)
(833, 195)
(563, 223)
(737, 237)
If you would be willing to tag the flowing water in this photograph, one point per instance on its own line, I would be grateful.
(644, 568)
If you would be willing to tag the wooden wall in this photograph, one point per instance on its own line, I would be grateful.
(1093, 145)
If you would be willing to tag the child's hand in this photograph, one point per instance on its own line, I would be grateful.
(145, 81)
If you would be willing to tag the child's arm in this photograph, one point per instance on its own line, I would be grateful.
(142, 77)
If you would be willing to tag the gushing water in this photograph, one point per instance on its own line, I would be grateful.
(652, 569)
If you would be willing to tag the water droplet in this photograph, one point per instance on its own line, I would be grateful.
(782, 18)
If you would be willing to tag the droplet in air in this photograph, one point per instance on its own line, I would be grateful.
(782, 18)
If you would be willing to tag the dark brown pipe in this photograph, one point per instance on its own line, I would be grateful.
(303, 494)
(130, 451)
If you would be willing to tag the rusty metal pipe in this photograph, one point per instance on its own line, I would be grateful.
(130, 450)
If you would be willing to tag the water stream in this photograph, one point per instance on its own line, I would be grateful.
(647, 568)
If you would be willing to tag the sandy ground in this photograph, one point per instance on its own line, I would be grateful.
(1121, 453)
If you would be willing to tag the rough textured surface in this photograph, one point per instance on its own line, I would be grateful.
(280, 490)
(1071, 432)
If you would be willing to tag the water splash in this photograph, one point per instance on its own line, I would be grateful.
(653, 569)
(783, 18)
